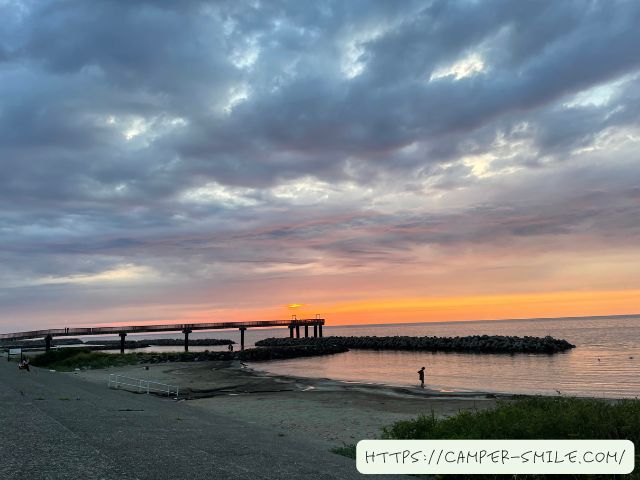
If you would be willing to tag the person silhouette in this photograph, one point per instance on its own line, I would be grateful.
(421, 377)
(24, 365)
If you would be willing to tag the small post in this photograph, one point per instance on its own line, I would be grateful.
(315, 329)
(320, 330)
(122, 337)
(242, 329)
(306, 331)
(186, 332)
(47, 342)
(297, 331)
(290, 331)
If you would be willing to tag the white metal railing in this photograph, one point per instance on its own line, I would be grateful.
(142, 386)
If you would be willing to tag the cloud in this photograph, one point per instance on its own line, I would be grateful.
(204, 142)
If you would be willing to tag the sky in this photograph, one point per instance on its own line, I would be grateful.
(367, 161)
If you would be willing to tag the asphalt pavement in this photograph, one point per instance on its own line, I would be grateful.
(56, 426)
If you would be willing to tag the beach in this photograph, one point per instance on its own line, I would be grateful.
(331, 412)
(60, 426)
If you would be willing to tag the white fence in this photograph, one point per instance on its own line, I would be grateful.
(142, 386)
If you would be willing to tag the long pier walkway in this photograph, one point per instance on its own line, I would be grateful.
(185, 328)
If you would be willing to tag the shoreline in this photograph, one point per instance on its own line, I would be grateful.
(331, 412)
(381, 388)
(429, 392)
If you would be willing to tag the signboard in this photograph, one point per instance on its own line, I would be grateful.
(14, 351)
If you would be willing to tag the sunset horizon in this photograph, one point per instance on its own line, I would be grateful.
(417, 310)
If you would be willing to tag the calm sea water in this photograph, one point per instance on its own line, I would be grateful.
(605, 362)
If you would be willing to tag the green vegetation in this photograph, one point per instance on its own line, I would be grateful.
(66, 359)
(345, 450)
(531, 418)
(528, 418)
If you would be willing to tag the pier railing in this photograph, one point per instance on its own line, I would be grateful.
(142, 386)
(186, 328)
(175, 327)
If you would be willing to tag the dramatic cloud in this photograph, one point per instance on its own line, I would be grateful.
(254, 154)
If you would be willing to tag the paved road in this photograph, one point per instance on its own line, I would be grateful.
(55, 426)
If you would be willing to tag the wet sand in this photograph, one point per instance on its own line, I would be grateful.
(329, 411)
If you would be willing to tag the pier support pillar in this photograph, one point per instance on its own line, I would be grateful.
(47, 342)
(242, 329)
(290, 331)
(306, 331)
(186, 332)
(297, 331)
(122, 337)
(315, 329)
(320, 331)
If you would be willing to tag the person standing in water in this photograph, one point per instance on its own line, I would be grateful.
(421, 377)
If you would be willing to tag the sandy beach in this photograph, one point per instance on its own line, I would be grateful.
(331, 412)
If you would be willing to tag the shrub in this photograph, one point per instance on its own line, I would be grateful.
(553, 418)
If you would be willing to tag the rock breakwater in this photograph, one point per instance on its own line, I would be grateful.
(248, 355)
(472, 344)
(294, 351)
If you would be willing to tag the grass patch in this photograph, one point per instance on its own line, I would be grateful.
(67, 359)
(530, 418)
(345, 450)
(553, 418)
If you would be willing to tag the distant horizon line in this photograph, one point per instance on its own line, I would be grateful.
(491, 320)
(486, 320)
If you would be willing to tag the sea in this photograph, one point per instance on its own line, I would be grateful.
(605, 362)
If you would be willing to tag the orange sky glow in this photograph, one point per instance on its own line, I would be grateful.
(409, 310)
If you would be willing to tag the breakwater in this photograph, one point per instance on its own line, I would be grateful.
(284, 352)
(472, 344)
(34, 344)
(248, 355)
(83, 357)
(130, 344)
(113, 344)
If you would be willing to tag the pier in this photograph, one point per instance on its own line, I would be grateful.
(185, 328)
